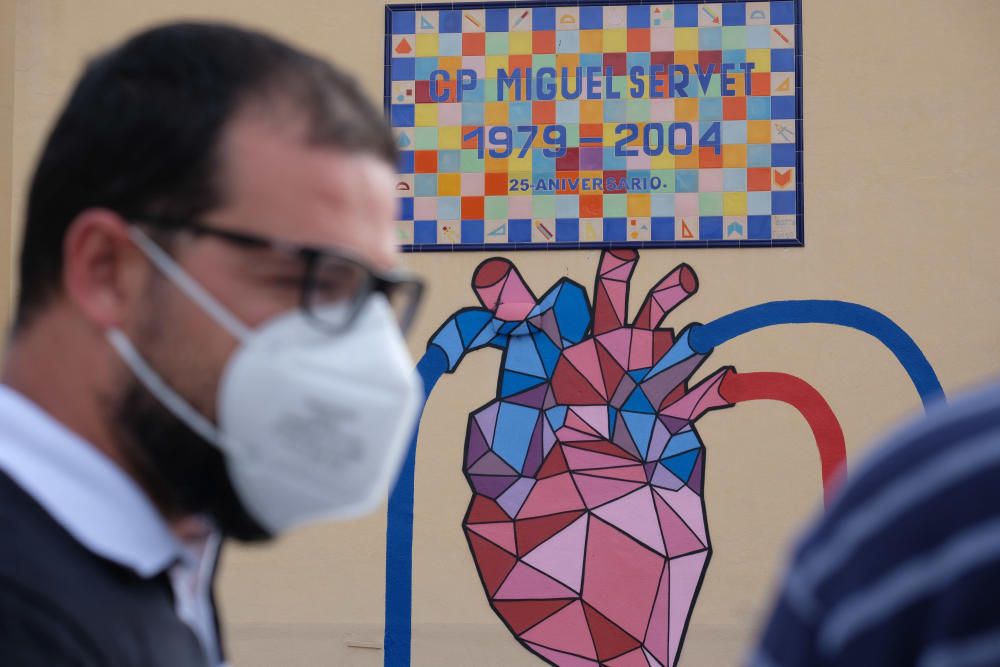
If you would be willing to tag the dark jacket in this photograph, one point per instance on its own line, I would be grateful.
(61, 605)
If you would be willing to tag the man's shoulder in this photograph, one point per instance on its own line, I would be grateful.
(34, 542)
(85, 604)
(34, 629)
(45, 609)
(953, 443)
(50, 564)
(933, 484)
(909, 552)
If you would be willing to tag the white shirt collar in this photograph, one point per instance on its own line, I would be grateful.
(88, 494)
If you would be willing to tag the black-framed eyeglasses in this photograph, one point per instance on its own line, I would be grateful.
(335, 284)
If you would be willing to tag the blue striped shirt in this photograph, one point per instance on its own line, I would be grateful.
(904, 568)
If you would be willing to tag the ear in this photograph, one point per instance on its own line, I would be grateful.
(102, 270)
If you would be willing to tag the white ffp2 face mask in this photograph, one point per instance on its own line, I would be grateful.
(312, 425)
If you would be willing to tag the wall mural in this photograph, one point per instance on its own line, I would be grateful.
(587, 521)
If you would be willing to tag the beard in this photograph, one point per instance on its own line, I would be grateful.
(183, 473)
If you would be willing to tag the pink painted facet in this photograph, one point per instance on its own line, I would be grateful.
(561, 556)
(698, 400)
(568, 434)
(679, 538)
(501, 534)
(562, 659)
(687, 505)
(685, 575)
(657, 639)
(516, 300)
(609, 262)
(619, 577)
(594, 416)
(551, 496)
(580, 459)
(489, 296)
(635, 515)
(616, 291)
(653, 662)
(583, 357)
(577, 423)
(669, 297)
(566, 630)
(617, 342)
(631, 473)
(598, 490)
(527, 583)
(621, 274)
(634, 658)
(641, 350)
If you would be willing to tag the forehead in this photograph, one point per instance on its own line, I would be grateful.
(277, 185)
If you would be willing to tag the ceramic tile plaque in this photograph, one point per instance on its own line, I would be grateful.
(582, 125)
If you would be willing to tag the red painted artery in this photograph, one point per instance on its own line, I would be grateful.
(740, 387)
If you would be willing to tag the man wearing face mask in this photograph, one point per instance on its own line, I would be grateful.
(207, 342)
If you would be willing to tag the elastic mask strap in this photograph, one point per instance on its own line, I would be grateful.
(185, 283)
(161, 390)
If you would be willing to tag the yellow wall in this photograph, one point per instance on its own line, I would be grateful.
(901, 202)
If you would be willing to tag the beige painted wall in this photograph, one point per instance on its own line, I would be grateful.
(6, 152)
(901, 201)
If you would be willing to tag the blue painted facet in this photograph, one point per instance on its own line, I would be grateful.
(640, 425)
(515, 424)
(681, 351)
(556, 416)
(681, 465)
(522, 357)
(471, 324)
(681, 442)
(450, 342)
(572, 311)
(637, 402)
(514, 383)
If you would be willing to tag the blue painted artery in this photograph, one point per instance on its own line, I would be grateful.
(708, 336)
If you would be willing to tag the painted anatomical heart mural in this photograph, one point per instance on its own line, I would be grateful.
(587, 521)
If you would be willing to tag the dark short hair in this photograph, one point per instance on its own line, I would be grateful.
(141, 131)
